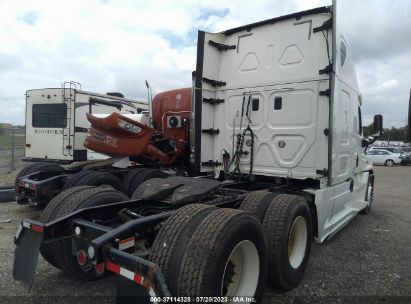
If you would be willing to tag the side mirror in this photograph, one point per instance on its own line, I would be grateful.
(377, 126)
(376, 132)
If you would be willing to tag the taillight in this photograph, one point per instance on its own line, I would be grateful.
(37, 228)
(32, 186)
(100, 268)
(28, 145)
(128, 126)
(21, 183)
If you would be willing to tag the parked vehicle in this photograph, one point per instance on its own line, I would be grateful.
(264, 176)
(406, 149)
(406, 159)
(394, 150)
(137, 146)
(56, 123)
(383, 157)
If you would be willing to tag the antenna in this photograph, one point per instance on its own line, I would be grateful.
(149, 99)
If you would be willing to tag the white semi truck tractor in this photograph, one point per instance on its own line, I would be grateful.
(275, 162)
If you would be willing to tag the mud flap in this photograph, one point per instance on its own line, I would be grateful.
(26, 255)
(128, 291)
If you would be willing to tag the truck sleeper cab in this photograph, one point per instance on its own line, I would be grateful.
(275, 158)
(290, 90)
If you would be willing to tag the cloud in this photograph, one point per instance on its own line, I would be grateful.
(116, 45)
(377, 29)
(30, 18)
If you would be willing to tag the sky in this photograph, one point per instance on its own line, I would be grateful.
(116, 45)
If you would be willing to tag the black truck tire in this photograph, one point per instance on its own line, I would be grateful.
(136, 177)
(140, 189)
(128, 178)
(88, 197)
(49, 214)
(257, 202)
(369, 194)
(173, 237)
(288, 227)
(222, 255)
(94, 178)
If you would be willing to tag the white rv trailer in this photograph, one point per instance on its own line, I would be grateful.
(56, 123)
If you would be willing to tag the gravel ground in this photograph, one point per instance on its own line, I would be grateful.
(367, 262)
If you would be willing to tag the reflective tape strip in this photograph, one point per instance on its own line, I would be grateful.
(18, 232)
(113, 267)
(125, 273)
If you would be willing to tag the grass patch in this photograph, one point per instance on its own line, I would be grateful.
(6, 140)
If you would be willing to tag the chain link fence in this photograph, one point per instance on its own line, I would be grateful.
(12, 146)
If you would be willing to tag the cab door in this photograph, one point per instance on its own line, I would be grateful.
(372, 156)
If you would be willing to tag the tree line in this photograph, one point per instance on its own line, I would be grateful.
(389, 134)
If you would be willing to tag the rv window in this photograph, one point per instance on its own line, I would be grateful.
(343, 50)
(50, 115)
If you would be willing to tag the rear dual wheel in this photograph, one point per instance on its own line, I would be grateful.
(215, 252)
(224, 252)
(135, 177)
(59, 253)
(139, 192)
(49, 251)
(132, 180)
(287, 222)
(94, 178)
(257, 203)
